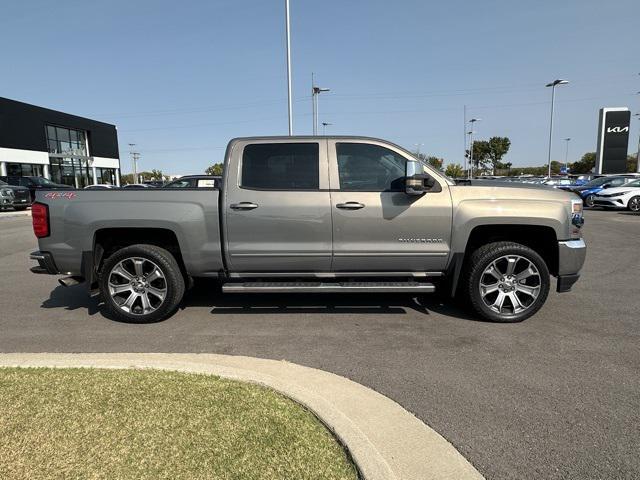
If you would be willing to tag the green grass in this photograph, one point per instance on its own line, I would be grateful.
(146, 424)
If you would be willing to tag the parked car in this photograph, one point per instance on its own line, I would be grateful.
(627, 196)
(138, 185)
(589, 190)
(154, 183)
(559, 182)
(34, 184)
(301, 215)
(99, 186)
(6, 197)
(196, 181)
(20, 196)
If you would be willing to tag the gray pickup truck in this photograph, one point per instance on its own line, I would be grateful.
(315, 214)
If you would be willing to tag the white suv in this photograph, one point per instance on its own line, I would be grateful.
(626, 196)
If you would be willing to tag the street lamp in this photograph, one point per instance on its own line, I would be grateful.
(418, 145)
(638, 154)
(289, 99)
(315, 91)
(553, 97)
(566, 155)
(472, 122)
(324, 127)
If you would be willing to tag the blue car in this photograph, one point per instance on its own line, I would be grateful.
(589, 190)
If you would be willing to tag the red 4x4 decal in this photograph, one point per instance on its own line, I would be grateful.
(56, 195)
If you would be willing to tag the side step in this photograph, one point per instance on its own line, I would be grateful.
(327, 287)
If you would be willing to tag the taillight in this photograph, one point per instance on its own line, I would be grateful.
(40, 219)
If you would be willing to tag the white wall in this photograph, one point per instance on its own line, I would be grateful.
(14, 155)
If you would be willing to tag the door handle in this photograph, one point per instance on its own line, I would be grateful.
(350, 206)
(244, 206)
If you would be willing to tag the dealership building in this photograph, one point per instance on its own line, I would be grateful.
(64, 148)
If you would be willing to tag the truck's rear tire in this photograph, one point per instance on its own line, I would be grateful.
(506, 282)
(141, 284)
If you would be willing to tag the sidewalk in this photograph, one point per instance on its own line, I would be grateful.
(385, 440)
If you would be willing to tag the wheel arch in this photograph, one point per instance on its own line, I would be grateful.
(108, 240)
(540, 238)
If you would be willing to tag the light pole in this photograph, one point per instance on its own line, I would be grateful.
(418, 145)
(289, 100)
(566, 155)
(472, 122)
(638, 154)
(466, 169)
(315, 91)
(324, 127)
(134, 162)
(553, 97)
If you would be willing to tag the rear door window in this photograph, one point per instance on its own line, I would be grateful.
(281, 166)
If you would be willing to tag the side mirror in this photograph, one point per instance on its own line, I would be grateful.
(417, 182)
(415, 185)
(606, 185)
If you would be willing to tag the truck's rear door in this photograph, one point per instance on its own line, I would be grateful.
(277, 206)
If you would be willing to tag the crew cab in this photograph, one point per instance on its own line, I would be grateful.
(315, 214)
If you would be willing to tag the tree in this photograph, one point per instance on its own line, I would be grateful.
(215, 169)
(454, 170)
(498, 148)
(126, 179)
(585, 164)
(480, 154)
(435, 162)
(632, 163)
(157, 174)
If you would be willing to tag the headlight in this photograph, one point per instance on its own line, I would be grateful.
(7, 192)
(577, 220)
(618, 194)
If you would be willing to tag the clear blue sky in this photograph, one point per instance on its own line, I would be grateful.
(181, 78)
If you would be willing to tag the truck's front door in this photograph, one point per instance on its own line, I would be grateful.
(277, 207)
(376, 225)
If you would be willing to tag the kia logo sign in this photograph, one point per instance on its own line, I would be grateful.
(618, 130)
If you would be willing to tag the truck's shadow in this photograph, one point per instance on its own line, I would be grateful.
(208, 294)
(72, 298)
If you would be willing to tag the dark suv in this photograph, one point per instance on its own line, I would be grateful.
(19, 200)
(33, 183)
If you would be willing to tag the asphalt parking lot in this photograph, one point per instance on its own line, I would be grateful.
(557, 396)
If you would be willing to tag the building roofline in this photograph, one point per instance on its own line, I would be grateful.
(70, 115)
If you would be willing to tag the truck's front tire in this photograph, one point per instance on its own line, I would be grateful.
(506, 282)
(141, 284)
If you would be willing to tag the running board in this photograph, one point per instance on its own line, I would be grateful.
(327, 287)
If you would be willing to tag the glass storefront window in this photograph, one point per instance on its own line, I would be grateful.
(106, 175)
(24, 170)
(63, 140)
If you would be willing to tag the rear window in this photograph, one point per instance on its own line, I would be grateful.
(281, 166)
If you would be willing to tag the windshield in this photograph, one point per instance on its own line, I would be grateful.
(41, 181)
(596, 182)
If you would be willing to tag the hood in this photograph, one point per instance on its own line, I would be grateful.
(490, 189)
(15, 188)
(614, 190)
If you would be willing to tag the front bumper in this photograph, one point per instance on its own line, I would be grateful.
(571, 256)
(612, 202)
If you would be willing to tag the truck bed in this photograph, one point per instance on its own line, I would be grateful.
(76, 217)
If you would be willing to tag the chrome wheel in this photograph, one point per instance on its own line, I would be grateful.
(634, 204)
(510, 284)
(137, 285)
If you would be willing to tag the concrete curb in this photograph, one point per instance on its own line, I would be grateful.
(385, 440)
